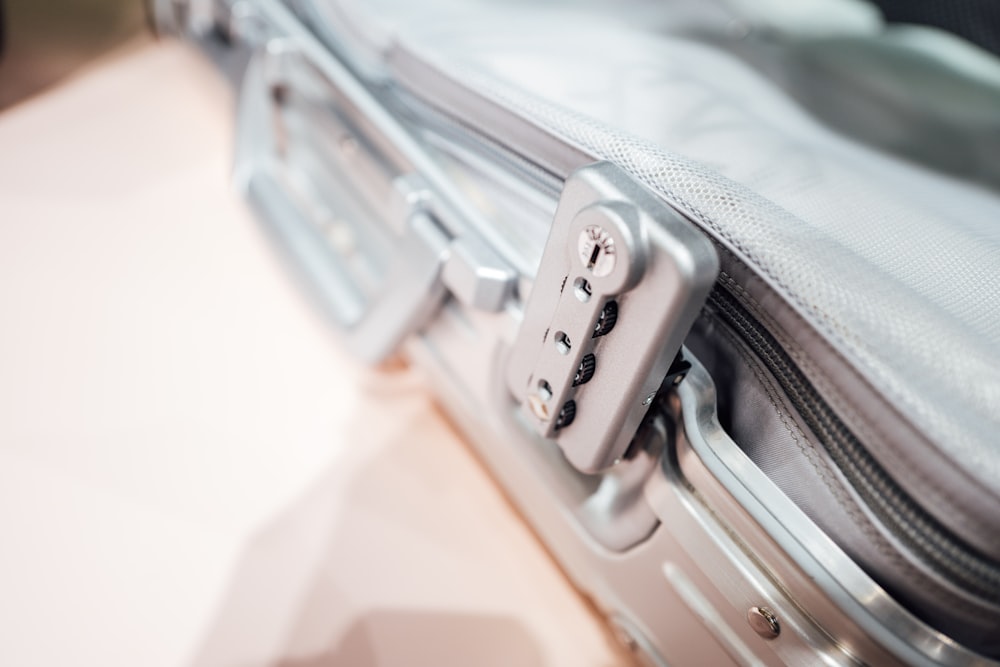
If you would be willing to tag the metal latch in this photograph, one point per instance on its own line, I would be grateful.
(622, 279)
(369, 219)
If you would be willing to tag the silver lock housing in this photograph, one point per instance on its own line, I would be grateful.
(611, 242)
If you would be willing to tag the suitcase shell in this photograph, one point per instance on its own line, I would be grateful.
(821, 485)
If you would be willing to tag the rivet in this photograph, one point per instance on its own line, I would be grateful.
(763, 621)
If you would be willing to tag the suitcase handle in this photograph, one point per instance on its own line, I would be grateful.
(381, 254)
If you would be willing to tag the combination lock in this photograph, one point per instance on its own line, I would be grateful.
(622, 278)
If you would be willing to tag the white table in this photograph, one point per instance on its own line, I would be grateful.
(191, 471)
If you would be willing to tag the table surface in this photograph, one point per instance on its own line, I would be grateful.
(192, 472)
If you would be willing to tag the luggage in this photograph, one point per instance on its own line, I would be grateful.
(709, 290)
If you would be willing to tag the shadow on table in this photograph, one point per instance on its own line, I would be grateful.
(367, 568)
(417, 639)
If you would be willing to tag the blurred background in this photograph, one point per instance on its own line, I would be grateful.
(46, 41)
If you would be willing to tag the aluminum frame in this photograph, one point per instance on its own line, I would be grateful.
(677, 544)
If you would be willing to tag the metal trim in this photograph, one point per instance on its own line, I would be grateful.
(738, 491)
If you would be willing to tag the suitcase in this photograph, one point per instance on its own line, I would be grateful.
(722, 325)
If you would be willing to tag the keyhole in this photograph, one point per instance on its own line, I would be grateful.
(594, 254)
(596, 248)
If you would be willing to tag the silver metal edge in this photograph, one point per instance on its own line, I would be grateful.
(822, 561)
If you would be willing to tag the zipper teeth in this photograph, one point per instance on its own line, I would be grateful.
(924, 535)
(931, 541)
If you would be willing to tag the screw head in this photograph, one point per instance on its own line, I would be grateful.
(596, 250)
(763, 621)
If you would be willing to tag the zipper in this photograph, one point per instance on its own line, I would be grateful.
(932, 543)
(927, 538)
(946, 554)
(943, 552)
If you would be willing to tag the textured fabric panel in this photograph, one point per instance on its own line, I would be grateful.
(895, 264)
(755, 413)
